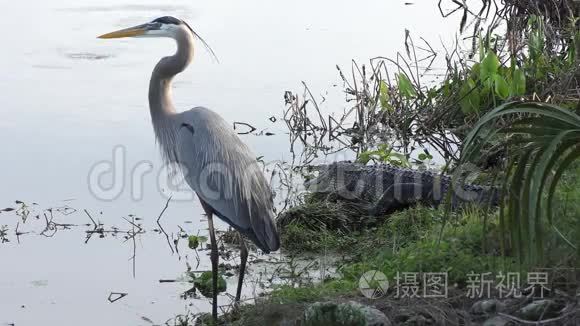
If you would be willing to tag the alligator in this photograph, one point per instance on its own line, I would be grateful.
(385, 188)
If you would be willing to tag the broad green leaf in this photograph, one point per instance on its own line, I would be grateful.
(485, 92)
(475, 71)
(405, 86)
(518, 86)
(384, 96)
(489, 66)
(470, 97)
(501, 87)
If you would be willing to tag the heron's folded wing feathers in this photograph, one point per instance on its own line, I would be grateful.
(223, 171)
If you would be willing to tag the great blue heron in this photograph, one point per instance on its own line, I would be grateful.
(216, 164)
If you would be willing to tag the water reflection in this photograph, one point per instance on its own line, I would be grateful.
(88, 56)
(29, 221)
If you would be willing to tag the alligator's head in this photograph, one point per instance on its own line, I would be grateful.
(325, 181)
(335, 177)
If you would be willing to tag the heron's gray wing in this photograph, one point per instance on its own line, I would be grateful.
(224, 173)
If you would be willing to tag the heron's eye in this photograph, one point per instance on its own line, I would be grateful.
(155, 25)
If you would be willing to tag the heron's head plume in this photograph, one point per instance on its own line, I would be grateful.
(166, 26)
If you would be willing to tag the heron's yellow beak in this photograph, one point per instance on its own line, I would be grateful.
(127, 32)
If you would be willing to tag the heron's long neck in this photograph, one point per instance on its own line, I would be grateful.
(160, 95)
(160, 101)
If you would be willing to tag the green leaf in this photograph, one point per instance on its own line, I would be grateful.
(405, 86)
(481, 49)
(475, 71)
(470, 97)
(501, 87)
(193, 242)
(485, 92)
(384, 148)
(204, 283)
(364, 157)
(399, 159)
(489, 66)
(384, 96)
(566, 160)
(518, 86)
(536, 43)
(550, 142)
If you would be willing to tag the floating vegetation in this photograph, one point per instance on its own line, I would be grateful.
(203, 283)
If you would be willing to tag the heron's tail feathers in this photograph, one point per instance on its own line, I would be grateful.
(265, 232)
(271, 239)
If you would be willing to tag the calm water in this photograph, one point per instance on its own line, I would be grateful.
(68, 100)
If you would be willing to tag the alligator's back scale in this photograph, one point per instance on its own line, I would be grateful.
(385, 188)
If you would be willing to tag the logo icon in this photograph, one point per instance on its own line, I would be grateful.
(373, 284)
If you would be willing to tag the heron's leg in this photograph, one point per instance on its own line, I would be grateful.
(214, 266)
(243, 260)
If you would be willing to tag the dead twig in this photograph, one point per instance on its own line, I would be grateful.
(161, 227)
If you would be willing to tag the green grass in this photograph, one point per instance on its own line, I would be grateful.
(423, 239)
(310, 293)
(419, 239)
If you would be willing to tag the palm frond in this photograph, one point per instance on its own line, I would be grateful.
(542, 141)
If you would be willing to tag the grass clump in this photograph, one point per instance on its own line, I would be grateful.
(287, 304)
(456, 248)
(419, 239)
(299, 238)
(323, 224)
(329, 313)
(303, 294)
